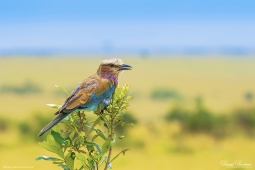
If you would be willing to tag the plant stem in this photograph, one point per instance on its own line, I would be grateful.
(81, 121)
(110, 149)
(72, 122)
(96, 167)
(122, 152)
(108, 159)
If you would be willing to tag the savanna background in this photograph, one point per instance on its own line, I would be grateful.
(193, 77)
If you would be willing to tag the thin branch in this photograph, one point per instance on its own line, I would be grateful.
(81, 121)
(122, 152)
(108, 159)
(96, 167)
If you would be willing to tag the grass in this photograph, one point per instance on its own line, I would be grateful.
(158, 153)
(223, 82)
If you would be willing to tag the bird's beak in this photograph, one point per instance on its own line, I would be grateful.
(125, 67)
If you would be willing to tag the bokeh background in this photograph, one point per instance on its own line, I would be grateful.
(193, 77)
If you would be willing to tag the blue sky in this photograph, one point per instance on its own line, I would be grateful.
(126, 25)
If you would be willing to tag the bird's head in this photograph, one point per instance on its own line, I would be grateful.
(112, 67)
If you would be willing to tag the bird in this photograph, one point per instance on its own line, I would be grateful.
(94, 92)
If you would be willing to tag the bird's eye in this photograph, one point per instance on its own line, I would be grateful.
(111, 65)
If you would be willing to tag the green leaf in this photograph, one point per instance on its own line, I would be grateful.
(55, 106)
(109, 166)
(58, 162)
(62, 89)
(56, 128)
(121, 137)
(57, 137)
(88, 143)
(93, 144)
(98, 148)
(77, 140)
(101, 134)
(91, 128)
(82, 134)
(67, 118)
(72, 134)
(106, 146)
(94, 137)
(97, 156)
(117, 92)
(112, 142)
(91, 148)
(104, 158)
(69, 159)
(82, 159)
(98, 120)
(67, 141)
(103, 118)
(63, 166)
(52, 145)
(47, 158)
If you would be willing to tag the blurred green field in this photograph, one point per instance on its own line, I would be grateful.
(224, 83)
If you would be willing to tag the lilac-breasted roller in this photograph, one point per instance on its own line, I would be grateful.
(93, 91)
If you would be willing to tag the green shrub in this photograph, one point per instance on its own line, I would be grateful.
(249, 96)
(91, 146)
(29, 128)
(201, 120)
(164, 94)
(26, 88)
(245, 119)
(4, 124)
